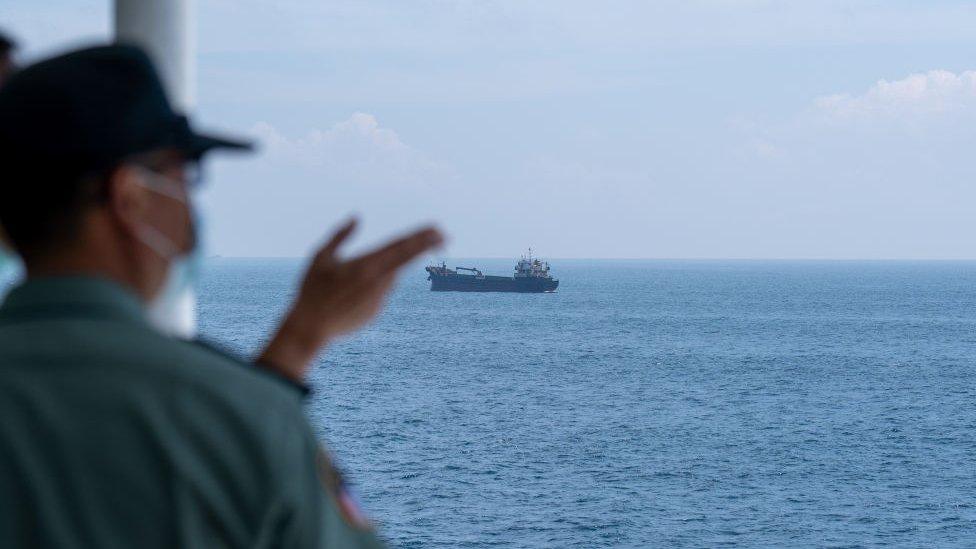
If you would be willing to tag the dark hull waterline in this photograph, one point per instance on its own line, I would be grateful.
(472, 283)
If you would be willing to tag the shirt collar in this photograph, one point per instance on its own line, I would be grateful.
(73, 296)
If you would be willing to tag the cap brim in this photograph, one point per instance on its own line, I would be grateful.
(199, 144)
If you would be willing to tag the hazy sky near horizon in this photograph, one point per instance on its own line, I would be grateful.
(676, 128)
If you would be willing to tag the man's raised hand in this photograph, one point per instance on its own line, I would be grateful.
(339, 296)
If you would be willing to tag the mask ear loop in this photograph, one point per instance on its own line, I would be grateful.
(157, 242)
(161, 184)
(150, 236)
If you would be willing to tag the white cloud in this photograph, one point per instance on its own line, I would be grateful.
(361, 130)
(281, 200)
(355, 150)
(933, 92)
(921, 118)
(765, 148)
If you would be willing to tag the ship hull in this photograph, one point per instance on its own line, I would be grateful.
(472, 283)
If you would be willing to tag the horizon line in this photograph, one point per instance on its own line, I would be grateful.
(580, 258)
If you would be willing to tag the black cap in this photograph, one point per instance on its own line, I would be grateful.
(86, 110)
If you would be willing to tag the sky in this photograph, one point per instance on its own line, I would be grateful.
(612, 129)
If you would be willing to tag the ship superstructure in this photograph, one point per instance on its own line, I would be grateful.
(531, 276)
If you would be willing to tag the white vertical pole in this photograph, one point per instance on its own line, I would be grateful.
(165, 28)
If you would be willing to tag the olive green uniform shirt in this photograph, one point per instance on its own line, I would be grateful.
(113, 435)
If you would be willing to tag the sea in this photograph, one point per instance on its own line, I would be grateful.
(648, 403)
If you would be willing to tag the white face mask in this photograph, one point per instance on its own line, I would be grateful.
(172, 311)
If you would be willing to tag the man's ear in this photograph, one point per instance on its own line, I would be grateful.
(127, 200)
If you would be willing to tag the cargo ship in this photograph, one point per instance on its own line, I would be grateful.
(531, 276)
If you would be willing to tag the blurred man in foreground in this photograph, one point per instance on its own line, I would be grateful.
(114, 435)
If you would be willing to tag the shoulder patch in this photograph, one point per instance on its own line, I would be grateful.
(340, 492)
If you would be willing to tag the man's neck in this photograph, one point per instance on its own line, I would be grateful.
(74, 262)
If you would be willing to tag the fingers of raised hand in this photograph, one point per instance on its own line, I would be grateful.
(369, 274)
(401, 251)
(328, 251)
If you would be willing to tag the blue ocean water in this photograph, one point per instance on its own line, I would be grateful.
(650, 403)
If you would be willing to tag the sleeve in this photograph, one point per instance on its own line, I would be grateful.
(319, 509)
(266, 369)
